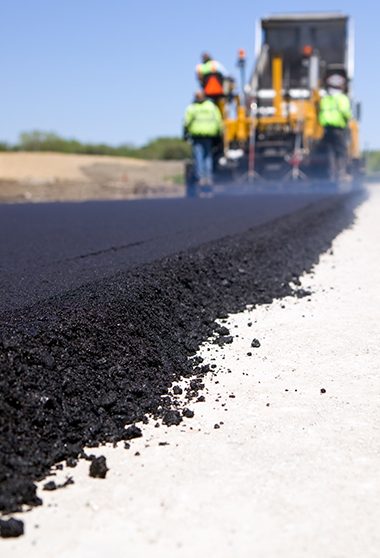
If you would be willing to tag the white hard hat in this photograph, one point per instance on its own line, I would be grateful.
(337, 81)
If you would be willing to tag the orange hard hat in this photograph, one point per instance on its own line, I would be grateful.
(307, 50)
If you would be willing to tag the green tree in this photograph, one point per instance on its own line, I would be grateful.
(165, 148)
(372, 159)
(4, 146)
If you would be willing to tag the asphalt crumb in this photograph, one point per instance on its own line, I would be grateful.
(98, 468)
(222, 330)
(11, 528)
(75, 370)
(52, 485)
(224, 340)
(172, 418)
(49, 486)
(132, 432)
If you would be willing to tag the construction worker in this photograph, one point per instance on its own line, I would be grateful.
(334, 116)
(203, 125)
(211, 75)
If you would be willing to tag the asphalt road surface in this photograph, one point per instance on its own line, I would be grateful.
(90, 361)
(47, 249)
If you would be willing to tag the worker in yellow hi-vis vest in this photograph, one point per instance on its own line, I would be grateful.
(203, 125)
(335, 115)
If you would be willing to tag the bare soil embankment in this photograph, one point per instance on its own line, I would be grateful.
(40, 177)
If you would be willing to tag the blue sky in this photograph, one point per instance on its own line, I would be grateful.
(123, 70)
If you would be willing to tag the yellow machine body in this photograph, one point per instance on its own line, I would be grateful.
(285, 118)
(297, 116)
(271, 128)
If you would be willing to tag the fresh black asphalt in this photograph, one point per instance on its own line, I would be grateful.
(46, 249)
(78, 367)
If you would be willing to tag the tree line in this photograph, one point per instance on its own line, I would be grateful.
(162, 148)
(372, 159)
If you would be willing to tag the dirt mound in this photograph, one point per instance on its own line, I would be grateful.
(62, 177)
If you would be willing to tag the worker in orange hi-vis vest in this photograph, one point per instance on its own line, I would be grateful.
(211, 75)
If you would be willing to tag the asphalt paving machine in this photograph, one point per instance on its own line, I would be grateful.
(271, 129)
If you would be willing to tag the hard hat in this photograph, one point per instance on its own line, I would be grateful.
(307, 50)
(206, 57)
(336, 81)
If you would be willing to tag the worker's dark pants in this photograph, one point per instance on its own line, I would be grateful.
(202, 153)
(335, 140)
